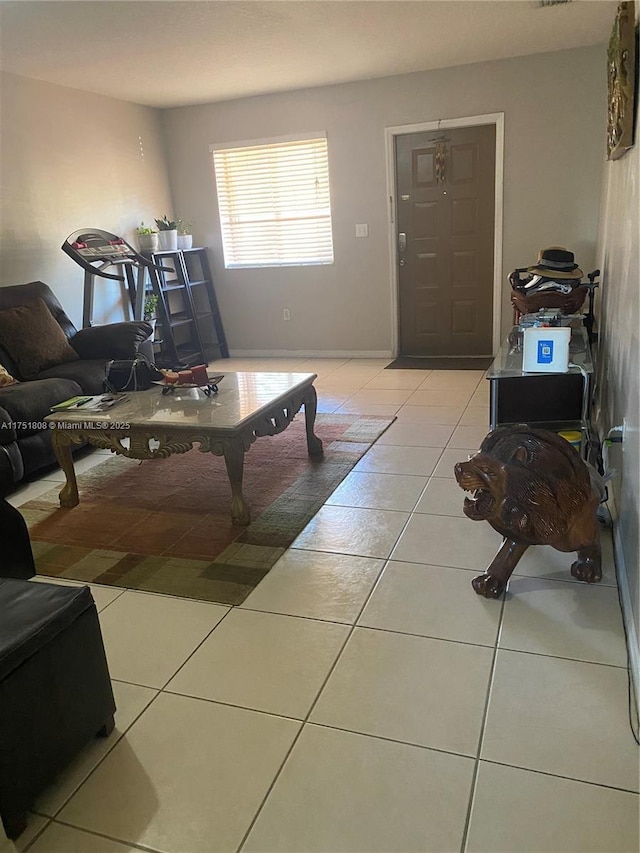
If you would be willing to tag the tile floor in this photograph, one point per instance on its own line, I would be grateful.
(363, 698)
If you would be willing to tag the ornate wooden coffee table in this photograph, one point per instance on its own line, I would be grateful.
(150, 425)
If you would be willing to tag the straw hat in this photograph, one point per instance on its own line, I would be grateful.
(556, 262)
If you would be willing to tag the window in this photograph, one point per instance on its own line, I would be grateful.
(274, 203)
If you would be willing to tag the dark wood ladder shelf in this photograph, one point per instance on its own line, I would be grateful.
(190, 327)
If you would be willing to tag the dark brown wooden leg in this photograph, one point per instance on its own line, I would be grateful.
(494, 581)
(314, 445)
(14, 824)
(105, 731)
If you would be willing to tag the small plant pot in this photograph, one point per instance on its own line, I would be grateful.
(168, 240)
(185, 241)
(148, 242)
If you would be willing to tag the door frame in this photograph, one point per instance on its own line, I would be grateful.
(496, 119)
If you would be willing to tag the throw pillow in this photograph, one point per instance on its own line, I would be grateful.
(33, 338)
(5, 377)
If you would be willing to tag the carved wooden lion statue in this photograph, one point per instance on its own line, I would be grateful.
(534, 489)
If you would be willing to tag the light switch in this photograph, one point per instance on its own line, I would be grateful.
(362, 230)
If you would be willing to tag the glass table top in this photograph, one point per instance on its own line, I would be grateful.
(508, 361)
(240, 397)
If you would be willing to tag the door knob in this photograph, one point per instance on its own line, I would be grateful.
(403, 262)
(402, 242)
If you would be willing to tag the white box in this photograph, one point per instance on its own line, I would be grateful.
(546, 349)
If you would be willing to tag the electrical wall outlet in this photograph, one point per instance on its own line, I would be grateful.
(362, 230)
(286, 314)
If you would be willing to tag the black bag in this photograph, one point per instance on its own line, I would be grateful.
(131, 374)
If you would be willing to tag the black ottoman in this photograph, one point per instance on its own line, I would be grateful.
(55, 691)
(17, 556)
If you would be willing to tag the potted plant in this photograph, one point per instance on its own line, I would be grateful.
(185, 237)
(149, 310)
(167, 233)
(147, 238)
(150, 306)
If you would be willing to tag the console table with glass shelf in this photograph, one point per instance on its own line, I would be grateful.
(555, 401)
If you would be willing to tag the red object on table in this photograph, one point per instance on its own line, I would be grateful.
(200, 375)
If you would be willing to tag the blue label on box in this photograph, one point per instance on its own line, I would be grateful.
(545, 352)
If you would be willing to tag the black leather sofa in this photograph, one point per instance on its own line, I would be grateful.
(25, 443)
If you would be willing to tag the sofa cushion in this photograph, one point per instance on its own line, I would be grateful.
(33, 338)
(88, 373)
(28, 403)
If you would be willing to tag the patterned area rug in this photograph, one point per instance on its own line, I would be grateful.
(164, 525)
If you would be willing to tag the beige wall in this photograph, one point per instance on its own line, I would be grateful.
(619, 367)
(70, 160)
(554, 106)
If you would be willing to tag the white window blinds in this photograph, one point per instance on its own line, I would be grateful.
(274, 204)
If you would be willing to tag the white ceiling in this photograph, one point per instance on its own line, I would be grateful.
(167, 53)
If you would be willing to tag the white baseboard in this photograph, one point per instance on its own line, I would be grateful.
(627, 614)
(286, 353)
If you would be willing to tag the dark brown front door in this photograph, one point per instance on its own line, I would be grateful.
(445, 230)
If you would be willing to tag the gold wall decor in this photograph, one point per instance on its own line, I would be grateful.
(621, 71)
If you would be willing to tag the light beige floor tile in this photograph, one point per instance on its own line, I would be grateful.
(131, 700)
(442, 540)
(263, 661)
(31, 491)
(481, 395)
(412, 689)
(543, 561)
(148, 637)
(467, 436)
(357, 377)
(453, 379)
(104, 595)
(443, 496)
(316, 585)
(332, 383)
(350, 530)
(570, 620)
(416, 435)
(544, 813)
(391, 396)
(441, 397)
(330, 401)
(563, 717)
(447, 415)
(263, 364)
(322, 366)
(357, 407)
(419, 599)
(380, 363)
(64, 839)
(189, 776)
(449, 457)
(476, 416)
(345, 792)
(405, 379)
(378, 491)
(390, 459)
(35, 825)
